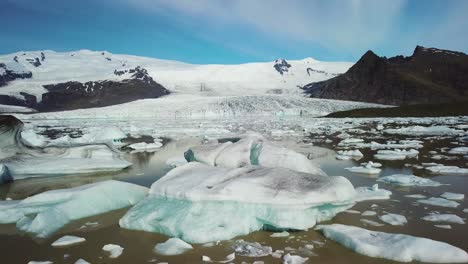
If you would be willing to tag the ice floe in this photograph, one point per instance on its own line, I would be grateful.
(372, 193)
(396, 154)
(416, 196)
(173, 246)
(294, 259)
(148, 147)
(398, 247)
(251, 249)
(447, 218)
(349, 154)
(436, 201)
(275, 198)
(408, 180)
(280, 234)
(424, 131)
(81, 261)
(367, 169)
(453, 196)
(68, 241)
(114, 251)
(370, 222)
(393, 219)
(447, 170)
(368, 213)
(459, 151)
(45, 213)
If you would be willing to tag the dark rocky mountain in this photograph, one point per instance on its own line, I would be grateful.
(428, 76)
(75, 95)
(7, 74)
(281, 66)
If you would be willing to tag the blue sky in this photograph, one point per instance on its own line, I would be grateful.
(235, 31)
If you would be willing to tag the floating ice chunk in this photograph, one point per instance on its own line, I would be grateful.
(448, 218)
(393, 219)
(424, 131)
(82, 261)
(114, 251)
(251, 249)
(173, 246)
(349, 154)
(370, 222)
(367, 169)
(45, 213)
(396, 247)
(352, 212)
(206, 259)
(372, 164)
(459, 151)
(294, 259)
(229, 259)
(453, 196)
(68, 241)
(439, 202)
(447, 170)
(75, 160)
(444, 226)
(146, 146)
(350, 141)
(372, 193)
(465, 210)
(280, 234)
(40, 262)
(416, 196)
(396, 154)
(368, 213)
(408, 180)
(274, 198)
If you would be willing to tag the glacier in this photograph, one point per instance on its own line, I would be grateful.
(200, 203)
(43, 214)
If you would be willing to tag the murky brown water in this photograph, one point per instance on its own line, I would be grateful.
(20, 248)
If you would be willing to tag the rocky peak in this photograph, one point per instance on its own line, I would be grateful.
(282, 66)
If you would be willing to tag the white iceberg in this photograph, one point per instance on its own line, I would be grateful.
(398, 247)
(81, 261)
(447, 218)
(408, 180)
(453, 196)
(370, 222)
(45, 213)
(173, 246)
(252, 150)
(349, 154)
(143, 146)
(369, 213)
(294, 259)
(371, 193)
(459, 151)
(424, 131)
(114, 251)
(447, 170)
(199, 203)
(280, 234)
(439, 202)
(396, 154)
(68, 241)
(367, 169)
(393, 219)
(251, 249)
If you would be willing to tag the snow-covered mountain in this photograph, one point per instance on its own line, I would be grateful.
(52, 81)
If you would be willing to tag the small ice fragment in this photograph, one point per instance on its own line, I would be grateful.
(370, 222)
(173, 246)
(68, 241)
(281, 234)
(81, 261)
(439, 202)
(114, 250)
(448, 218)
(368, 213)
(293, 259)
(394, 219)
(444, 226)
(453, 196)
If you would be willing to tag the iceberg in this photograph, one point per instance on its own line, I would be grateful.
(68, 241)
(367, 169)
(447, 170)
(294, 259)
(349, 154)
(439, 202)
(371, 193)
(393, 219)
(252, 150)
(43, 214)
(398, 247)
(396, 154)
(114, 251)
(173, 246)
(200, 203)
(408, 180)
(251, 249)
(453, 196)
(448, 218)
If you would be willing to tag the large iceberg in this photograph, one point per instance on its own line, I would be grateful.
(43, 214)
(252, 150)
(200, 203)
(398, 247)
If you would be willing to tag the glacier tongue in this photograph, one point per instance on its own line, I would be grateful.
(45, 213)
(199, 203)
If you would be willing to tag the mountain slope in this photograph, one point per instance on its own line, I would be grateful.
(49, 81)
(428, 76)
